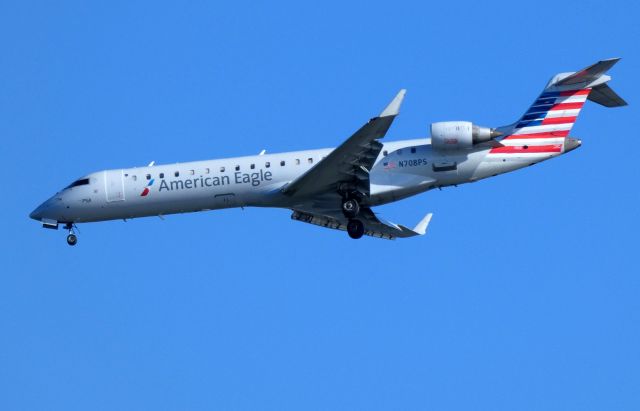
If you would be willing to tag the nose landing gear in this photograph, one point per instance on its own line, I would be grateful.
(72, 239)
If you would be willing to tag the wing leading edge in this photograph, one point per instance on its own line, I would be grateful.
(351, 161)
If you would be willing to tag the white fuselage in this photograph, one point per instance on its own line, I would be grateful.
(403, 168)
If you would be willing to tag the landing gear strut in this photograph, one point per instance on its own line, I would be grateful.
(71, 238)
(355, 228)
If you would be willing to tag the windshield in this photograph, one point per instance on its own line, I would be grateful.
(81, 182)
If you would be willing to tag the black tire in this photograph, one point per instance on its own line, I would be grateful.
(355, 228)
(72, 239)
(350, 208)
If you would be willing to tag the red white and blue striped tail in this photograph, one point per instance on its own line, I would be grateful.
(545, 125)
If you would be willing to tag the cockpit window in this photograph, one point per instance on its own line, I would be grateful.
(81, 182)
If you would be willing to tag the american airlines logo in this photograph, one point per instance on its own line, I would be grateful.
(146, 190)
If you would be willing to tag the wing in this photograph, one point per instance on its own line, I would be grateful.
(374, 227)
(349, 163)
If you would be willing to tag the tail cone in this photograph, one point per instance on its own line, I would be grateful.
(571, 144)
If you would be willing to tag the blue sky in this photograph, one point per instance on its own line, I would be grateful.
(523, 295)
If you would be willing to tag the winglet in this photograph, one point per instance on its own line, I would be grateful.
(394, 107)
(421, 227)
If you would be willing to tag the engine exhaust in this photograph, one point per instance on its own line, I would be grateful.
(481, 134)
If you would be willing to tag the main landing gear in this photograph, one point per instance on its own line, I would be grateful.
(355, 228)
(72, 239)
(351, 209)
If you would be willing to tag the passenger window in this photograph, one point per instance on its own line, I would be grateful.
(177, 174)
(297, 161)
(222, 169)
(310, 160)
(237, 168)
(413, 150)
(134, 177)
(148, 176)
(267, 164)
(282, 163)
(252, 166)
(161, 175)
(206, 170)
(385, 153)
(192, 172)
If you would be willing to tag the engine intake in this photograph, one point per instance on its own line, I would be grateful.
(457, 135)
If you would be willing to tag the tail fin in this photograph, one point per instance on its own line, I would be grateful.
(552, 115)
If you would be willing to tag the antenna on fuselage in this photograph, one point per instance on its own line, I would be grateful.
(262, 152)
(151, 164)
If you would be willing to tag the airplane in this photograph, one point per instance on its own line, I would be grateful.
(338, 187)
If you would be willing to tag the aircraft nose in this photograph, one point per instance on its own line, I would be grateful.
(47, 210)
(38, 213)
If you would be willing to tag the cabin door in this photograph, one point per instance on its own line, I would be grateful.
(114, 185)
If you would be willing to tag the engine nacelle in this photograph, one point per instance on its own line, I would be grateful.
(459, 135)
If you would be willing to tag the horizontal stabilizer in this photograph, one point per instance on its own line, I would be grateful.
(604, 95)
(588, 74)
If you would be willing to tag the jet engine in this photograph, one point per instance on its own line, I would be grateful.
(459, 135)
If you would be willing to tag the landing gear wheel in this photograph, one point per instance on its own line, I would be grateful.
(355, 228)
(72, 239)
(350, 208)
